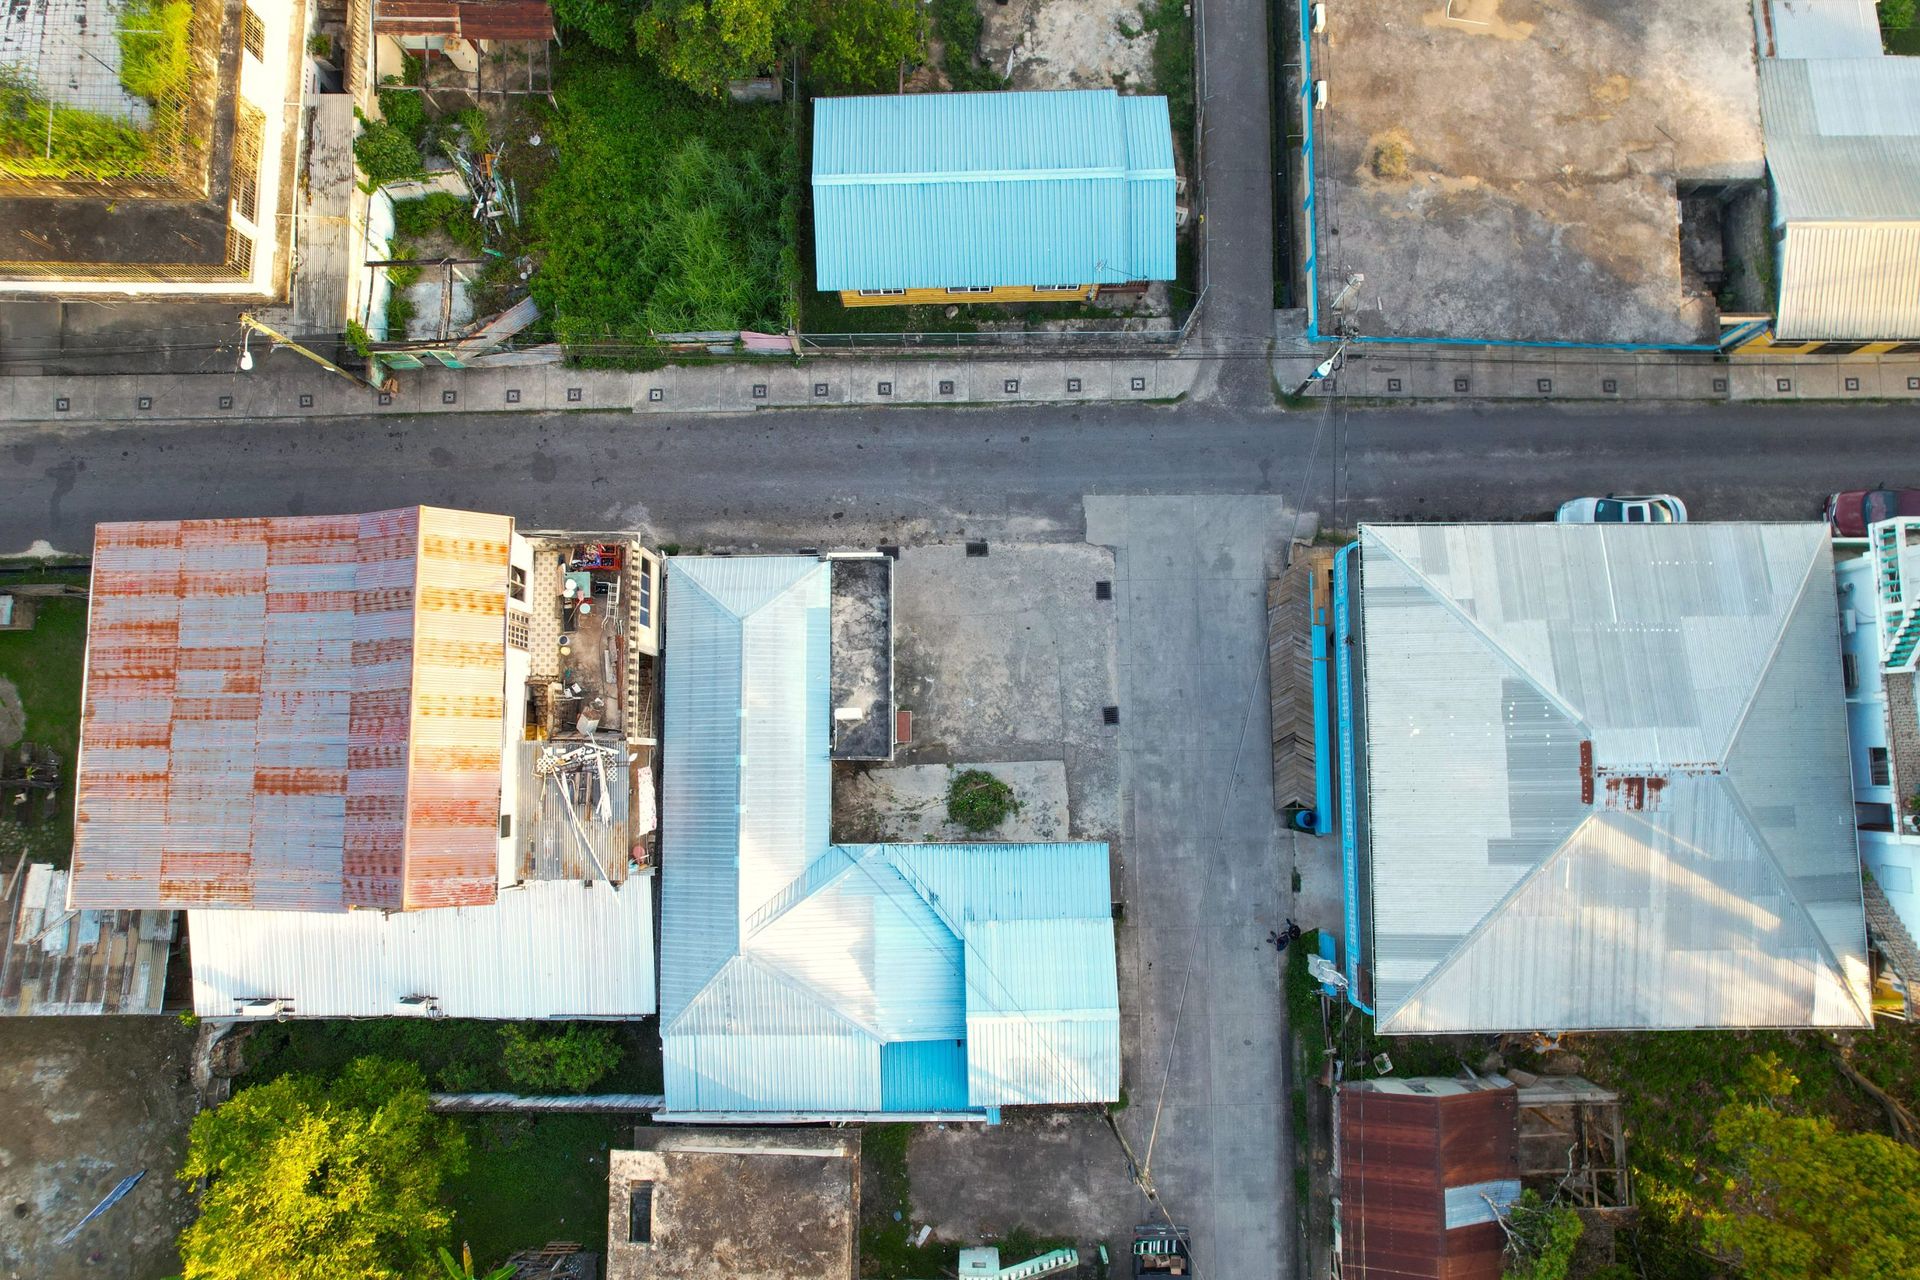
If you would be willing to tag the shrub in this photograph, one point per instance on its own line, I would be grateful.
(320, 45)
(401, 277)
(1896, 15)
(572, 1060)
(384, 153)
(400, 312)
(608, 23)
(979, 801)
(406, 111)
(358, 339)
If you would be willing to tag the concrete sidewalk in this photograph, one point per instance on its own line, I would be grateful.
(290, 387)
(1460, 372)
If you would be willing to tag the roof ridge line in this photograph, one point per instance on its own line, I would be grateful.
(1773, 655)
(1765, 849)
(1485, 922)
(789, 898)
(1499, 651)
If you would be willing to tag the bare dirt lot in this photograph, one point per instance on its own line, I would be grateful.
(86, 1102)
(1511, 169)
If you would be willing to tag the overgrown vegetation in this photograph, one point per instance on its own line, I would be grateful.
(863, 46)
(959, 24)
(1895, 15)
(1541, 1239)
(442, 212)
(667, 212)
(529, 1179)
(384, 152)
(570, 1059)
(40, 140)
(305, 1178)
(155, 49)
(44, 667)
(979, 801)
(1172, 29)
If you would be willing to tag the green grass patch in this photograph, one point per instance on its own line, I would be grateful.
(531, 1179)
(665, 211)
(44, 667)
(73, 143)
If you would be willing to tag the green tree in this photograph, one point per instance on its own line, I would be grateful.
(1803, 1199)
(863, 43)
(1541, 1240)
(1896, 15)
(571, 1060)
(312, 1180)
(705, 43)
(608, 23)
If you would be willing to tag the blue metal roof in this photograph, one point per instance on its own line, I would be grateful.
(954, 190)
(803, 977)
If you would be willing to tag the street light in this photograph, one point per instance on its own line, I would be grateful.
(246, 356)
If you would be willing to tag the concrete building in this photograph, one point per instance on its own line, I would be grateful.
(171, 150)
(1883, 729)
(1001, 197)
(1599, 778)
(804, 979)
(731, 1204)
(342, 744)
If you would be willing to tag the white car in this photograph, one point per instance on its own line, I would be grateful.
(1652, 508)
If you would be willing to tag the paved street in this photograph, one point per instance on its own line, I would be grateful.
(860, 476)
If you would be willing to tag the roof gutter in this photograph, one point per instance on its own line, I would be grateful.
(1349, 844)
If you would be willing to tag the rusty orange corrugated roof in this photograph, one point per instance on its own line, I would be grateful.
(299, 713)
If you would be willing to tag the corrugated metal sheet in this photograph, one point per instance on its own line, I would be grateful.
(547, 949)
(57, 963)
(1850, 281)
(1407, 1162)
(1043, 1012)
(984, 189)
(1824, 28)
(300, 713)
(465, 19)
(803, 977)
(1843, 149)
(1608, 782)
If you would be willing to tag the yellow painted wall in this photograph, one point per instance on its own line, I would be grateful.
(1766, 345)
(941, 297)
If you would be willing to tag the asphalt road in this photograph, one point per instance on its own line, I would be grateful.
(858, 477)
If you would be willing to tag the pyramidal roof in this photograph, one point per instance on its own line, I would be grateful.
(1607, 780)
(804, 977)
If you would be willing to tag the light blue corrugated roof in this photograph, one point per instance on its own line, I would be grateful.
(799, 976)
(953, 190)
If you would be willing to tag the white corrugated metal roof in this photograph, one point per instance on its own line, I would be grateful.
(1824, 28)
(1843, 150)
(1696, 867)
(546, 949)
(800, 976)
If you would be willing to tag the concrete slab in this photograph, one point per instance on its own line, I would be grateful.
(1511, 168)
(905, 803)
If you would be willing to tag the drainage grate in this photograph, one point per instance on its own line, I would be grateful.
(1110, 714)
(1103, 590)
(976, 548)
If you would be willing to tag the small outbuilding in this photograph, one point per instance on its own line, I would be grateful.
(991, 197)
(734, 1204)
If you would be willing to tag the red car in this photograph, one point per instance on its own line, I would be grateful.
(1849, 513)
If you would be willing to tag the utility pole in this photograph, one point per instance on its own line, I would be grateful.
(253, 325)
(1326, 368)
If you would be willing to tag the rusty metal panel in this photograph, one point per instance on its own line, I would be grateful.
(458, 706)
(251, 730)
(1399, 1153)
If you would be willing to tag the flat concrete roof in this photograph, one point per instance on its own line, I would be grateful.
(735, 1204)
(1510, 169)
